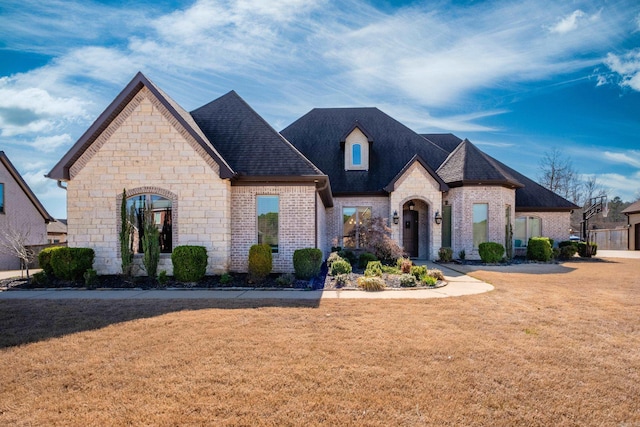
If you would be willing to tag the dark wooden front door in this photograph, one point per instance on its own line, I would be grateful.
(410, 233)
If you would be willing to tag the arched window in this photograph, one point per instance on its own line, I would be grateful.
(150, 207)
(356, 154)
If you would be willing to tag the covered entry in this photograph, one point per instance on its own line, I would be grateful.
(415, 229)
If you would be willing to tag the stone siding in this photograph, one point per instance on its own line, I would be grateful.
(296, 223)
(146, 149)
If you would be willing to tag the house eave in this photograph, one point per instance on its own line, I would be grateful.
(321, 182)
(488, 182)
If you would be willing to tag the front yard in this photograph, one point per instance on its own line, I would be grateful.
(552, 345)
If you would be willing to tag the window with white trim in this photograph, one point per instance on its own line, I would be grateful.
(526, 228)
(480, 223)
(268, 210)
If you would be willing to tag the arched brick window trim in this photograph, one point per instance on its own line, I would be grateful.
(175, 215)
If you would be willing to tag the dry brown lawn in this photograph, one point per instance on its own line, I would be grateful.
(551, 346)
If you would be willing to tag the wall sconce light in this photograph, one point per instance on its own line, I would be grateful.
(438, 218)
(396, 218)
(411, 205)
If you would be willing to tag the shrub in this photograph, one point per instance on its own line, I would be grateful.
(333, 256)
(307, 263)
(71, 263)
(150, 245)
(491, 252)
(436, 273)
(371, 283)
(445, 254)
(126, 254)
(365, 258)
(90, 278)
(341, 280)
(587, 251)
(340, 266)
(226, 278)
(375, 236)
(163, 278)
(374, 268)
(404, 264)
(349, 256)
(462, 255)
(389, 269)
(260, 262)
(427, 280)
(286, 280)
(44, 259)
(40, 278)
(408, 281)
(189, 263)
(568, 251)
(418, 271)
(539, 249)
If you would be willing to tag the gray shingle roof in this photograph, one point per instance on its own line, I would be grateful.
(318, 133)
(245, 140)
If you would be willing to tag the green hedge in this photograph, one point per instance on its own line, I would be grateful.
(189, 263)
(71, 263)
(582, 249)
(491, 252)
(365, 258)
(539, 249)
(307, 263)
(44, 259)
(445, 254)
(260, 262)
(340, 266)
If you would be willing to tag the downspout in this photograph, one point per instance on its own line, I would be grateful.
(61, 186)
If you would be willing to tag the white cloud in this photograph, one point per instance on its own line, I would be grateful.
(51, 143)
(629, 157)
(624, 186)
(568, 23)
(627, 66)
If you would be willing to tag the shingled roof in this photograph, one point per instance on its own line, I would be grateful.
(4, 160)
(318, 134)
(250, 145)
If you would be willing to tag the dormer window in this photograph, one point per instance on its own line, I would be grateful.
(357, 146)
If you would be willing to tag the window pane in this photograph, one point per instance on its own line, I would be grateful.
(349, 220)
(356, 151)
(446, 226)
(1, 198)
(520, 233)
(268, 221)
(480, 215)
(161, 215)
(534, 227)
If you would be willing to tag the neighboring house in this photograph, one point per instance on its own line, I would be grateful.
(221, 177)
(21, 213)
(57, 231)
(633, 222)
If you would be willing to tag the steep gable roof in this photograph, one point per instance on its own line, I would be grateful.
(446, 141)
(468, 165)
(417, 159)
(250, 145)
(632, 208)
(318, 134)
(61, 170)
(4, 160)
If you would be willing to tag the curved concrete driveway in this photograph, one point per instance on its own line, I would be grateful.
(458, 284)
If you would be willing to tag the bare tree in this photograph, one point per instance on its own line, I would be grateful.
(14, 241)
(558, 175)
(592, 188)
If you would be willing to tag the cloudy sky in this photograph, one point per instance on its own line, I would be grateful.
(517, 78)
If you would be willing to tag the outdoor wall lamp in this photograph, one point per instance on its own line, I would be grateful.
(396, 218)
(438, 218)
(411, 205)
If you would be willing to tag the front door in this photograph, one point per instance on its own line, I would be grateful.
(410, 233)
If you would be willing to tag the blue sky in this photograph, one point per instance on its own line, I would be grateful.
(517, 78)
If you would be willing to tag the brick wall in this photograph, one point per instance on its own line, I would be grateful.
(296, 227)
(146, 149)
(554, 224)
(379, 208)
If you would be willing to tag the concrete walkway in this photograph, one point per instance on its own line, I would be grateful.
(458, 284)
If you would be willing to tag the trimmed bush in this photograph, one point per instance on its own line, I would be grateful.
(40, 278)
(333, 256)
(418, 271)
(226, 278)
(285, 280)
(44, 259)
(445, 254)
(539, 249)
(189, 263)
(349, 256)
(371, 284)
(365, 258)
(374, 268)
(582, 249)
(307, 263)
(260, 262)
(340, 266)
(491, 252)
(71, 263)
(390, 269)
(436, 273)
(90, 278)
(568, 249)
(427, 280)
(408, 281)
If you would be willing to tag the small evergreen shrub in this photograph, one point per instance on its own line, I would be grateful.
(418, 271)
(90, 278)
(583, 249)
(71, 263)
(44, 259)
(568, 251)
(189, 263)
(40, 278)
(462, 255)
(333, 256)
(349, 256)
(341, 280)
(286, 280)
(307, 263)
(260, 262)
(404, 264)
(408, 281)
(539, 249)
(390, 269)
(150, 245)
(491, 252)
(374, 268)
(163, 279)
(371, 283)
(340, 266)
(436, 273)
(445, 254)
(365, 258)
(427, 280)
(226, 278)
